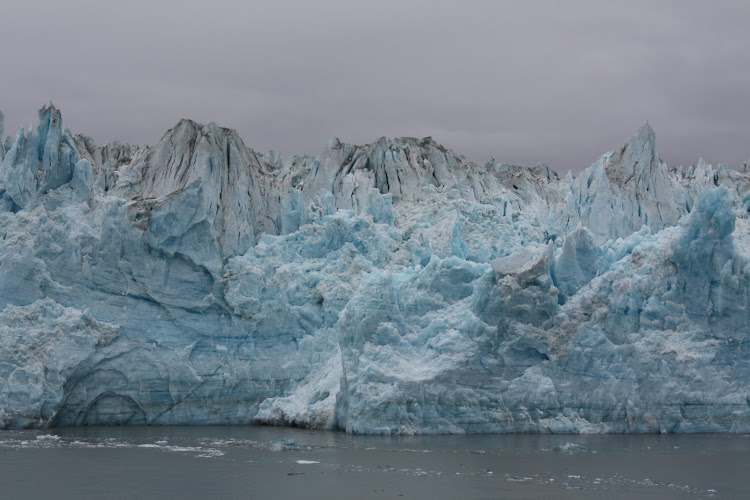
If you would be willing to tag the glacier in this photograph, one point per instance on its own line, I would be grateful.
(390, 288)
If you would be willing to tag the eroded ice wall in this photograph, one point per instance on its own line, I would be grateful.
(387, 288)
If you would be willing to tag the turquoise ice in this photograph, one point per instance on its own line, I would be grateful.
(392, 288)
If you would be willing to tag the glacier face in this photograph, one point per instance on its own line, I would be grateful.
(387, 288)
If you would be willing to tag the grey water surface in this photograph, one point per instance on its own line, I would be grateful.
(272, 462)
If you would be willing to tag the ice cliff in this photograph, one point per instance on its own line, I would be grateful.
(389, 288)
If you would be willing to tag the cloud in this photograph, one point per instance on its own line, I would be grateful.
(558, 82)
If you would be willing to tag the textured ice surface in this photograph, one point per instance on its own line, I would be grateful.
(387, 288)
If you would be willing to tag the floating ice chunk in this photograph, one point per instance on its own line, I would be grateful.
(48, 437)
(570, 448)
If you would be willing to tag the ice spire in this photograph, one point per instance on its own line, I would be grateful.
(44, 160)
(627, 189)
(637, 160)
(209, 168)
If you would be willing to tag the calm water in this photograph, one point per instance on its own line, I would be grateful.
(267, 462)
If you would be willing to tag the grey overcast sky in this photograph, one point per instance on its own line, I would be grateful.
(559, 82)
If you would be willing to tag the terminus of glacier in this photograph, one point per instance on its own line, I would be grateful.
(388, 288)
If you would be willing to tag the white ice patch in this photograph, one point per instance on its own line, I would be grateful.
(48, 437)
